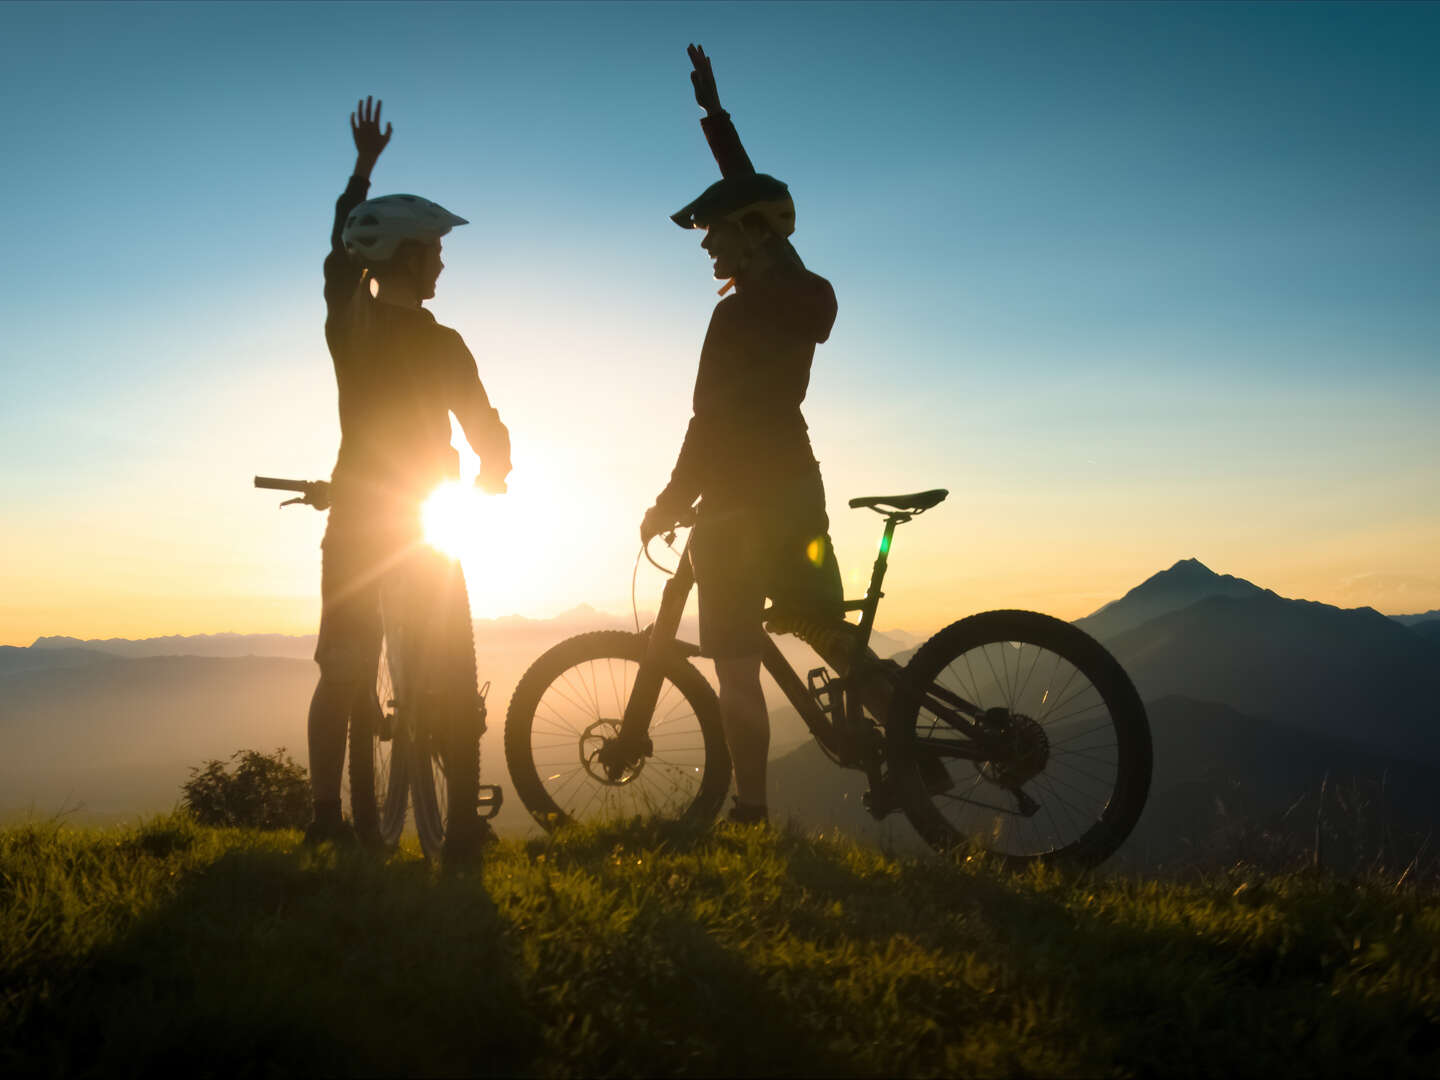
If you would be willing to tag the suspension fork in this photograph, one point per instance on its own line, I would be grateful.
(634, 741)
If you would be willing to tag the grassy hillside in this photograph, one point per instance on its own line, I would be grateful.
(657, 950)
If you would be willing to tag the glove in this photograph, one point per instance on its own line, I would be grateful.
(655, 522)
(492, 482)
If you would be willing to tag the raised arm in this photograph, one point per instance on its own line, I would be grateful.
(342, 275)
(719, 131)
(369, 143)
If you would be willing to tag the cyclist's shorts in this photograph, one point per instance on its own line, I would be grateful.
(351, 565)
(424, 588)
(742, 554)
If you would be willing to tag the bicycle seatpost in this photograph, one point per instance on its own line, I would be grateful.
(877, 577)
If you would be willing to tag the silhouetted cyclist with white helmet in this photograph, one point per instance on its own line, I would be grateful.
(762, 529)
(400, 375)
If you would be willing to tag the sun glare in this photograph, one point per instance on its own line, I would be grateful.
(452, 517)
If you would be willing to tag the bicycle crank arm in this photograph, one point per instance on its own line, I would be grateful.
(957, 748)
(492, 797)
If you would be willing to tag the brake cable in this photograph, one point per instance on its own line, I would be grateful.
(669, 539)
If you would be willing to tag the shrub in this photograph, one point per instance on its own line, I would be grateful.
(265, 791)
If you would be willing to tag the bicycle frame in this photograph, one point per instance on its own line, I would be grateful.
(850, 739)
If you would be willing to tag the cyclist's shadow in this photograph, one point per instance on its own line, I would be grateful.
(282, 962)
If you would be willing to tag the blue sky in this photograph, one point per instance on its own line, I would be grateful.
(1136, 282)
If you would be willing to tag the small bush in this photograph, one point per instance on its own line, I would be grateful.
(265, 791)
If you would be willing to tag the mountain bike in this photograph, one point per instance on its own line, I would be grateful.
(400, 754)
(1008, 731)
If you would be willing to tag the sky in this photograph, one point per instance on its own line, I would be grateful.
(1136, 283)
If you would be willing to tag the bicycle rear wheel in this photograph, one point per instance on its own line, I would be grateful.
(1070, 755)
(570, 703)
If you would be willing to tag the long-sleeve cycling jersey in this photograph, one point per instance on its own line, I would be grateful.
(400, 374)
(747, 440)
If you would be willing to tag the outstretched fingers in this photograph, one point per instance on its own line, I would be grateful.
(365, 126)
(703, 79)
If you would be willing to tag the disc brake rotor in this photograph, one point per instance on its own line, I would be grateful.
(597, 737)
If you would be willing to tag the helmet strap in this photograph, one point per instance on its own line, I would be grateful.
(399, 282)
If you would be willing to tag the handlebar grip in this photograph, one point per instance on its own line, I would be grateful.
(276, 484)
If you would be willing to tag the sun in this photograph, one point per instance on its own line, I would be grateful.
(510, 546)
(506, 544)
(553, 541)
(452, 518)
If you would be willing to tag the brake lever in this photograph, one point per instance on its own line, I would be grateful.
(292, 502)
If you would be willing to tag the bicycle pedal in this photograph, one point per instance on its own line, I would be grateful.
(826, 692)
(492, 797)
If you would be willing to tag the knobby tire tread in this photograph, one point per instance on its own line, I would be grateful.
(610, 645)
(1118, 693)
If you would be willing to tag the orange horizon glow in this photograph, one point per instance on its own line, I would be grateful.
(87, 615)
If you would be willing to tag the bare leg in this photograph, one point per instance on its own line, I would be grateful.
(329, 717)
(747, 725)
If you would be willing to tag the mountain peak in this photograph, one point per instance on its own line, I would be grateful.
(1187, 582)
(1191, 567)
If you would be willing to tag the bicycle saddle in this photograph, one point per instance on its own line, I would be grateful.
(913, 504)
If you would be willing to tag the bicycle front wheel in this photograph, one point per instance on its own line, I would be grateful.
(570, 703)
(1067, 769)
(444, 748)
(376, 772)
(431, 788)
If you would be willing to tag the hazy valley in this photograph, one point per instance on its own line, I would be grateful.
(1253, 699)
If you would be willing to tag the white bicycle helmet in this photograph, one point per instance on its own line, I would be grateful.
(377, 227)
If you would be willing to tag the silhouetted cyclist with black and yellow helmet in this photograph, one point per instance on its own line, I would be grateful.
(762, 529)
(400, 375)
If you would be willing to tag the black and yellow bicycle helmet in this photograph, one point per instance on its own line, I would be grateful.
(737, 197)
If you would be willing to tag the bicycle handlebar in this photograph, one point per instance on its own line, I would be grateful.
(314, 493)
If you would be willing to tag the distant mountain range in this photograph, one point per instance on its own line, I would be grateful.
(110, 727)
(1347, 673)
(507, 628)
(1267, 693)
(1253, 700)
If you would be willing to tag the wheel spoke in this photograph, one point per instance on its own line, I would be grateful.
(562, 732)
(1076, 739)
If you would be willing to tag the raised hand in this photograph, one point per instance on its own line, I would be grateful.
(369, 141)
(703, 79)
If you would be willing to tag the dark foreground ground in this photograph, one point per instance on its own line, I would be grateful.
(655, 951)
